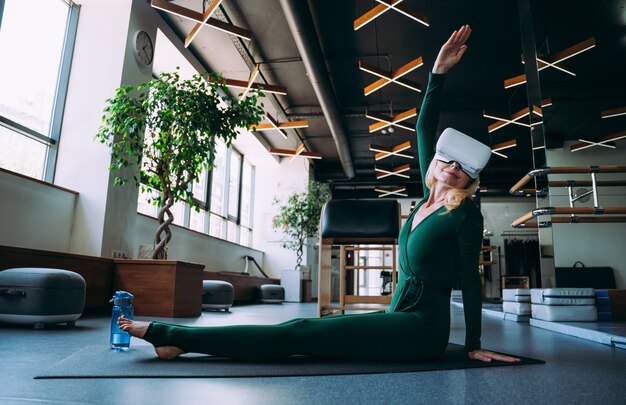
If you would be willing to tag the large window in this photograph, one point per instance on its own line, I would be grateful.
(231, 197)
(225, 196)
(33, 81)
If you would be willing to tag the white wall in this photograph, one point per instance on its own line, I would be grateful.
(596, 244)
(24, 223)
(276, 180)
(82, 164)
(102, 61)
(190, 246)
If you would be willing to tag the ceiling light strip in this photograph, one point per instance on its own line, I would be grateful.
(398, 171)
(253, 76)
(290, 153)
(197, 17)
(391, 77)
(573, 50)
(402, 9)
(503, 145)
(386, 5)
(275, 125)
(399, 191)
(613, 112)
(553, 60)
(205, 17)
(395, 121)
(370, 16)
(542, 64)
(584, 144)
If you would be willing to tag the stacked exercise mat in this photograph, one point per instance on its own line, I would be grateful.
(611, 305)
(563, 304)
(516, 303)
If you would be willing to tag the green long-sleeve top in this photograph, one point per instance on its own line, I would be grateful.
(442, 246)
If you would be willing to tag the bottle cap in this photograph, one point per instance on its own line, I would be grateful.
(122, 298)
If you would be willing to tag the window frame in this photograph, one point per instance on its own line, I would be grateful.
(61, 89)
(224, 216)
(235, 218)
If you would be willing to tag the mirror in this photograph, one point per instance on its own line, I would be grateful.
(538, 137)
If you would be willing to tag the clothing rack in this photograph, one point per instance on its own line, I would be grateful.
(522, 259)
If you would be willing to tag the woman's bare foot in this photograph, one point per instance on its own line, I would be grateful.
(138, 329)
(168, 352)
(134, 328)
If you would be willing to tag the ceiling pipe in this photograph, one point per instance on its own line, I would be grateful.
(301, 25)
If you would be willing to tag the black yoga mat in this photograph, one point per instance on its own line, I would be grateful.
(98, 361)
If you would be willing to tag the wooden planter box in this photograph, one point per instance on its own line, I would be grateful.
(163, 288)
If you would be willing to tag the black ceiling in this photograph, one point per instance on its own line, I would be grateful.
(476, 84)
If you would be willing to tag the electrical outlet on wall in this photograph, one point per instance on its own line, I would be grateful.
(119, 254)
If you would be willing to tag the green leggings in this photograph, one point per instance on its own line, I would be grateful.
(373, 336)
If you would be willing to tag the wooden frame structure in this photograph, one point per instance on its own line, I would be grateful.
(346, 302)
(597, 213)
(354, 302)
(355, 225)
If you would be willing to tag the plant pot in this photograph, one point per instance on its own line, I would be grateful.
(163, 288)
(291, 282)
(146, 251)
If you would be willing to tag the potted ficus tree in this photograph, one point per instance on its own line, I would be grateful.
(299, 217)
(163, 134)
(166, 129)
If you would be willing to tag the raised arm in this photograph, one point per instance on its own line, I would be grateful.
(449, 55)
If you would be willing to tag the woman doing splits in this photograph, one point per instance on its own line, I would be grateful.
(440, 241)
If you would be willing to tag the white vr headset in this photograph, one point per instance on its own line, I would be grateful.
(455, 146)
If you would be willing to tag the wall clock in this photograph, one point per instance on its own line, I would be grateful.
(143, 49)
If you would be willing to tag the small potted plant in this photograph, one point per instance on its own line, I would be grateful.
(299, 217)
(163, 134)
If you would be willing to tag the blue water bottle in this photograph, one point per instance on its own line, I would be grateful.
(122, 305)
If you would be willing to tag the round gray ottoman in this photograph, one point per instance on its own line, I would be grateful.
(39, 296)
(217, 295)
(271, 294)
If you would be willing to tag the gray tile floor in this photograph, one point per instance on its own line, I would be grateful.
(576, 371)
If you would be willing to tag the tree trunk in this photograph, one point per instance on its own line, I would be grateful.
(299, 252)
(165, 218)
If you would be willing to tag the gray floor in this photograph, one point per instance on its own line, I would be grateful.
(576, 371)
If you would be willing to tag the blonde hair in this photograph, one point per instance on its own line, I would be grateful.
(454, 196)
